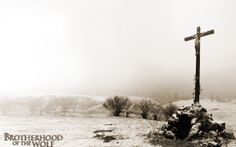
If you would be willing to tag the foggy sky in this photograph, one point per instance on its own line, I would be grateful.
(109, 47)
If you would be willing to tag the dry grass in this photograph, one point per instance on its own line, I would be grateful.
(156, 139)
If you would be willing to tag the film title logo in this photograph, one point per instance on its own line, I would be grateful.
(33, 140)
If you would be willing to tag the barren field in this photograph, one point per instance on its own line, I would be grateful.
(81, 131)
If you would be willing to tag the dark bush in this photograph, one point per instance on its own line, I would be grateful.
(149, 107)
(169, 110)
(117, 104)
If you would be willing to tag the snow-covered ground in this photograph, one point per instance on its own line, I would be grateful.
(79, 131)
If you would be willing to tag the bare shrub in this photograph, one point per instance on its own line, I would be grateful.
(148, 108)
(169, 110)
(117, 104)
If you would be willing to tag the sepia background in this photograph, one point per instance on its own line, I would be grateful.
(69, 66)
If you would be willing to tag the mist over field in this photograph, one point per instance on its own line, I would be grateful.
(106, 48)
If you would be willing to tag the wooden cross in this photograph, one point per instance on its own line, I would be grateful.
(197, 38)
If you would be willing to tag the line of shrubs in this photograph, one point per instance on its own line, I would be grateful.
(146, 108)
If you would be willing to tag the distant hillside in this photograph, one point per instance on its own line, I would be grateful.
(51, 105)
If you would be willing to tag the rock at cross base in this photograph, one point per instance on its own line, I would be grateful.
(193, 122)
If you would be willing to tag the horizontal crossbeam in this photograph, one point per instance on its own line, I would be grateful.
(201, 35)
(190, 38)
(207, 33)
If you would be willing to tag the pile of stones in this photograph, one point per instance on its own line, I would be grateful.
(194, 123)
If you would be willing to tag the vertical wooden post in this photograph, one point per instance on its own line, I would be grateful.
(197, 74)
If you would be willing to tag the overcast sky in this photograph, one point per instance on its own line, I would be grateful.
(108, 47)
